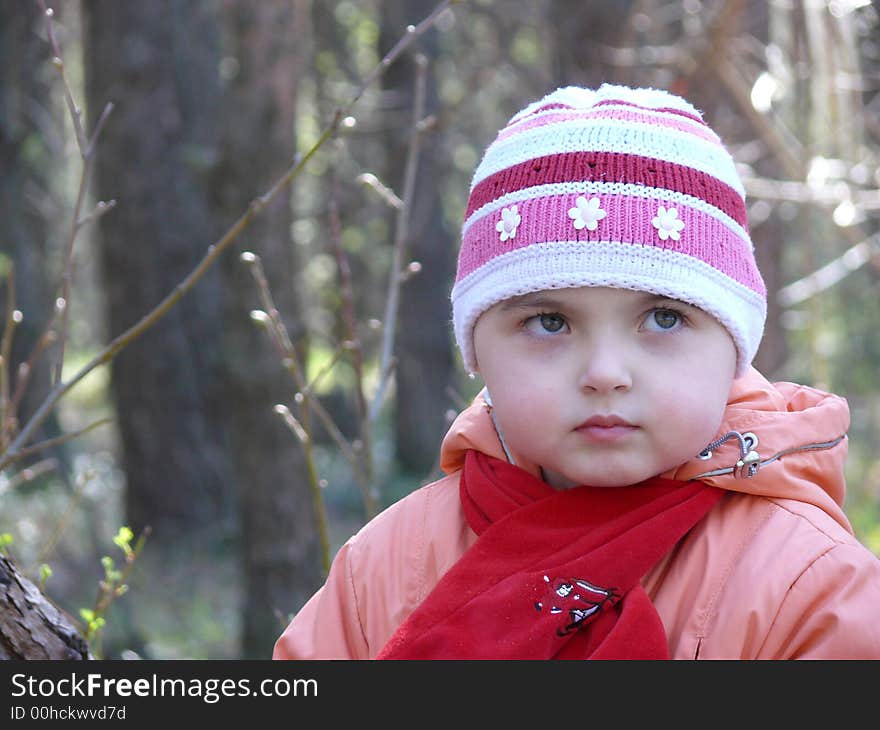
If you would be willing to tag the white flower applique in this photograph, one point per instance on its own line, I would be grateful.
(510, 220)
(667, 223)
(586, 213)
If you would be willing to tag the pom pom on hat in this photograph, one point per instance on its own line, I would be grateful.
(616, 187)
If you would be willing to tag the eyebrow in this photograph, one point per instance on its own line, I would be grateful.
(540, 299)
(660, 298)
(527, 301)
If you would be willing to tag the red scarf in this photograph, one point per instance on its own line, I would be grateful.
(554, 574)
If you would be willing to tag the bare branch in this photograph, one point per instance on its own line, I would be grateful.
(101, 208)
(387, 194)
(58, 62)
(99, 126)
(304, 397)
(400, 240)
(302, 429)
(350, 321)
(831, 273)
(412, 33)
(28, 474)
(13, 318)
(50, 443)
(314, 482)
(796, 191)
(86, 150)
(75, 498)
(25, 369)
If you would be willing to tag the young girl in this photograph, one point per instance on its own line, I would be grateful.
(626, 486)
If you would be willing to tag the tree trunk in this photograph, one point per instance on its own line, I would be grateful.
(281, 555)
(204, 123)
(31, 626)
(423, 345)
(158, 63)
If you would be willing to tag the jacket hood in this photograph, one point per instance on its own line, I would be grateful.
(801, 434)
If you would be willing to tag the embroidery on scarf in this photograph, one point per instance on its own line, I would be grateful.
(577, 598)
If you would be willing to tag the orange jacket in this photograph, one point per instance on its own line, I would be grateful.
(772, 572)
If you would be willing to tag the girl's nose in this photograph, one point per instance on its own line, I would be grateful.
(606, 368)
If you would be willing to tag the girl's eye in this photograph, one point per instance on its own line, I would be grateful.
(663, 320)
(543, 324)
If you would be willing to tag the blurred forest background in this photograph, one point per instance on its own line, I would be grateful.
(238, 427)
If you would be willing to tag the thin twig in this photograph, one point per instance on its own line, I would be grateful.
(326, 368)
(75, 111)
(314, 482)
(412, 33)
(350, 321)
(86, 151)
(302, 428)
(796, 191)
(110, 590)
(305, 398)
(831, 273)
(26, 369)
(790, 159)
(61, 525)
(50, 443)
(400, 240)
(387, 194)
(28, 474)
(293, 369)
(13, 318)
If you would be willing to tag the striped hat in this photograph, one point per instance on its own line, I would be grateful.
(612, 187)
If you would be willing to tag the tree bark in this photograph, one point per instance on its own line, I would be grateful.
(31, 626)
(158, 63)
(281, 565)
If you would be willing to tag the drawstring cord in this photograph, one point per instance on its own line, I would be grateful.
(488, 399)
(749, 462)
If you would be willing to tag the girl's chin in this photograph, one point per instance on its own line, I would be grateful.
(557, 480)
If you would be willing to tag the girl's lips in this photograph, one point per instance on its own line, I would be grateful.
(605, 434)
(605, 421)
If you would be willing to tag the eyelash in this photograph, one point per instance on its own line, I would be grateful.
(537, 318)
(682, 320)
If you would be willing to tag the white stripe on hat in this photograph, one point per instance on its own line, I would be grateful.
(610, 135)
(563, 265)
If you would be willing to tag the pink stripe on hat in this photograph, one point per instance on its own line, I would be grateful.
(608, 167)
(627, 219)
(671, 110)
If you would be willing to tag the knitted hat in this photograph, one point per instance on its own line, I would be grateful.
(612, 187)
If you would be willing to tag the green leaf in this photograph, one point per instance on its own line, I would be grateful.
(123, 539)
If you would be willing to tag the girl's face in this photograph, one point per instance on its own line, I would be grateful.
(604, 386)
